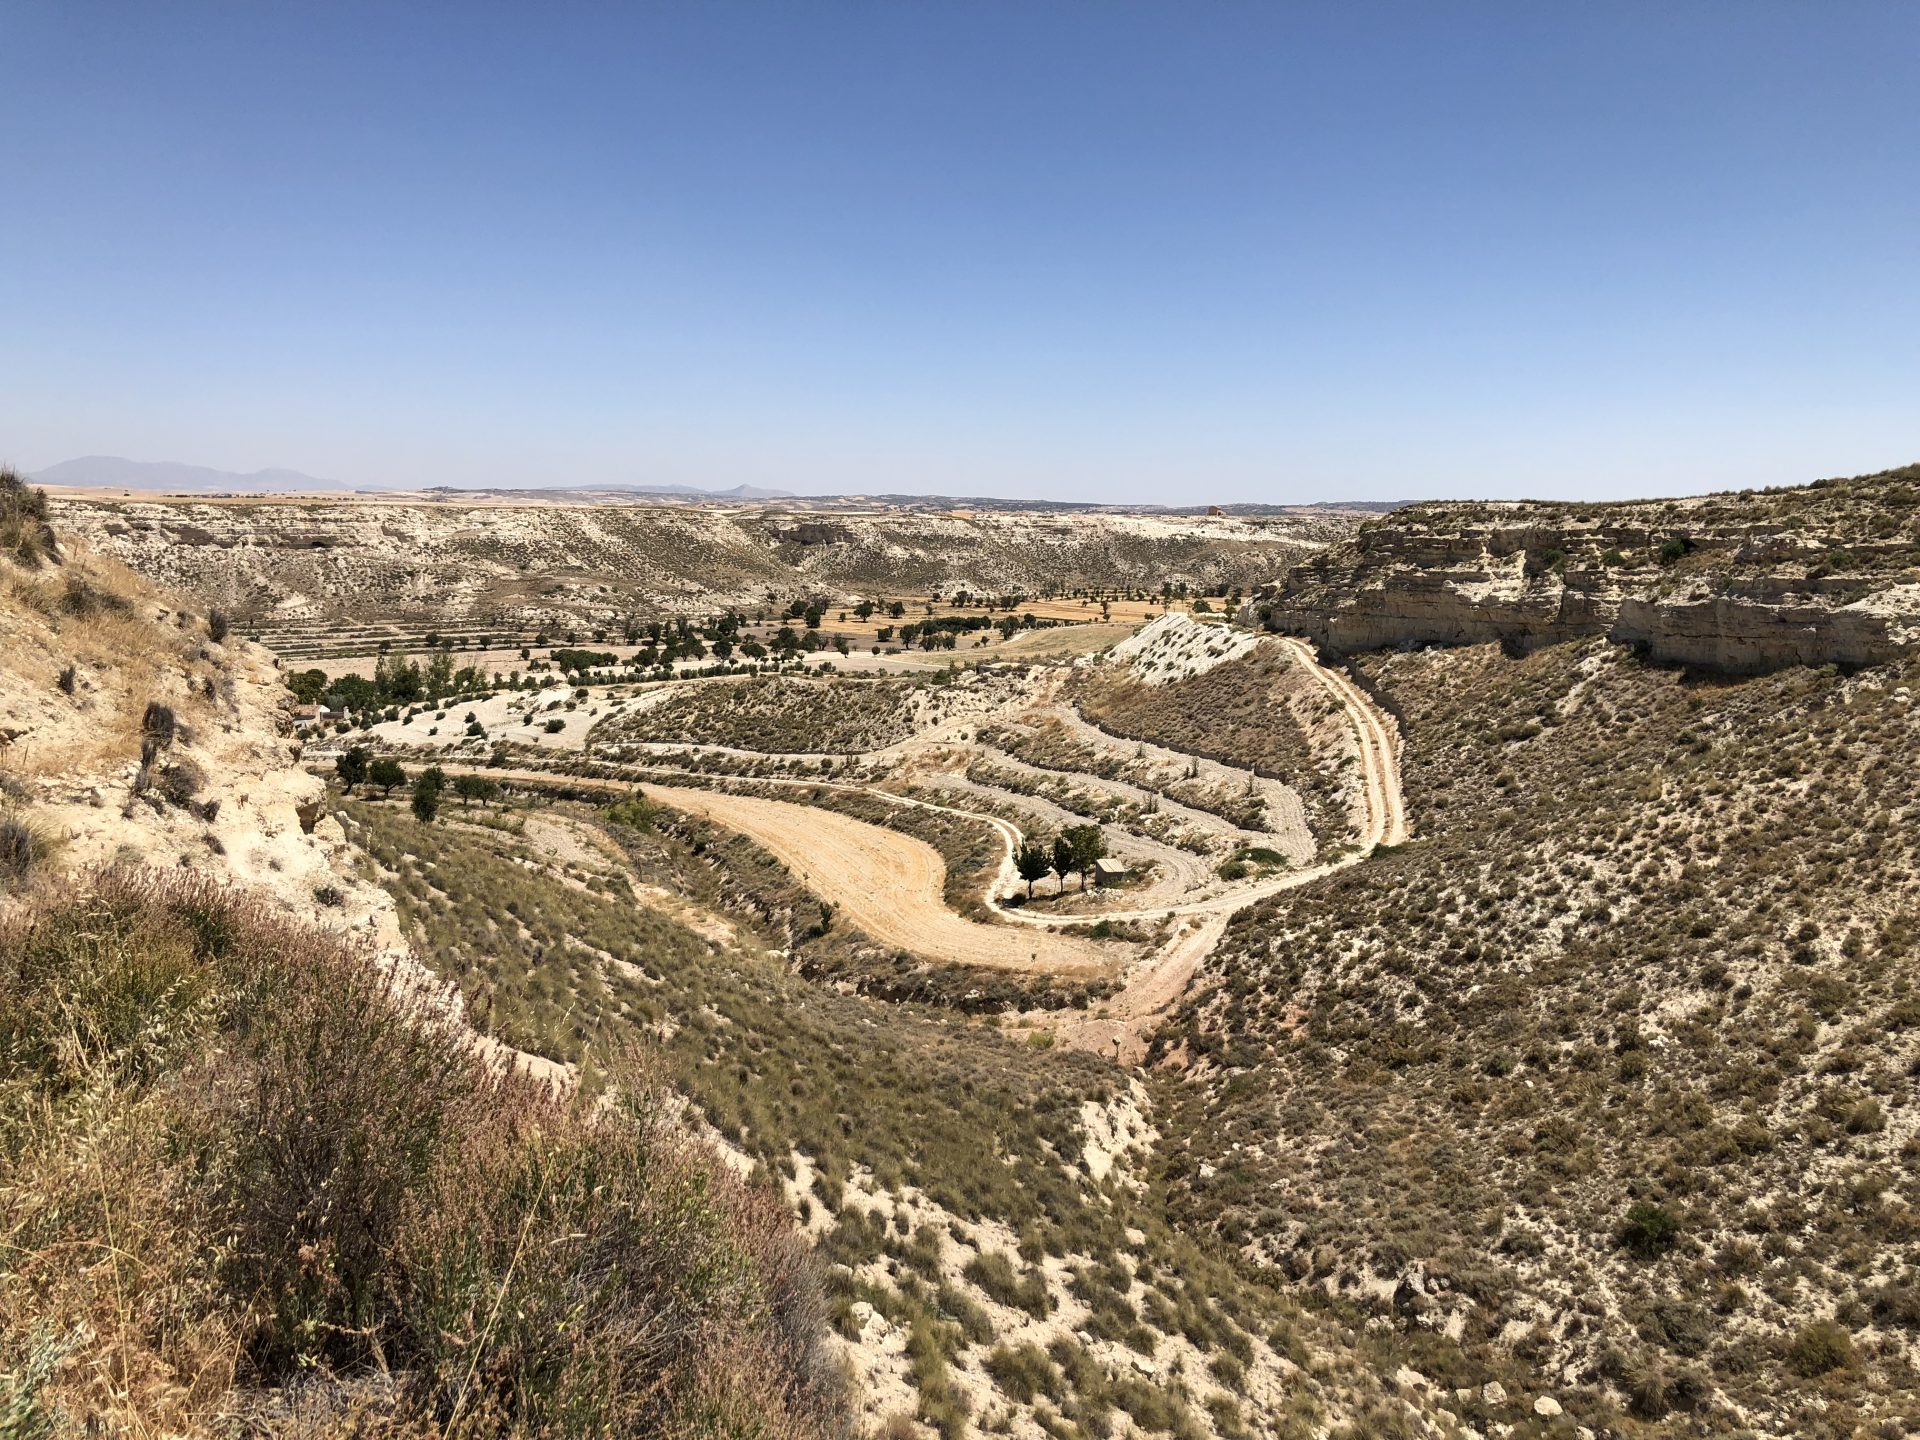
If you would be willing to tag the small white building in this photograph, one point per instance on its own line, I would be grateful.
(1108, 871)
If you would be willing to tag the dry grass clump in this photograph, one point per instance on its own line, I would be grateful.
(253, 1185)
(24, 847)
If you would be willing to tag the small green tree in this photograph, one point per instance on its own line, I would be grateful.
(1089, 843)
(308, 685)
(1061, 861)
(426, 794)
(475, 787)
(386, 773)
(1032, 861)
(352, 767)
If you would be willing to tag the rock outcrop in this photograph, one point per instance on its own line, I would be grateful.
(1742, 583)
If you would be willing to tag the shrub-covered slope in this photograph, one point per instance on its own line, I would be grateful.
(1610, 1072)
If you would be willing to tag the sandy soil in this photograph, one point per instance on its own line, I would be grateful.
(1121, 1026)
(887, 883)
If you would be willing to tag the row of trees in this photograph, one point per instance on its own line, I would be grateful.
(396, 681)
(359, 766)
(1073, 850)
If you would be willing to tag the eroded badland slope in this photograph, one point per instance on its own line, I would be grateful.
(286, 564)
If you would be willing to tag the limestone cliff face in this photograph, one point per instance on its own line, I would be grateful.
(1742, 583)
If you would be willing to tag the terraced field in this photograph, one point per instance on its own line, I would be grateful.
(1005, 755)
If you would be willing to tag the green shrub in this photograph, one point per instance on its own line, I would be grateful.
(1023, 1372)
(1819, 1347)
(1649, 1231)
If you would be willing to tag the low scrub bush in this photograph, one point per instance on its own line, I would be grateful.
(318, 1180)
(1649, 1231)
(25, 536)
(24, 845)
(1002, 1280)
(1023, 1372)
(1819, 1347)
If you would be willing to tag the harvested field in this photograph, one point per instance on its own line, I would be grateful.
(890, 885)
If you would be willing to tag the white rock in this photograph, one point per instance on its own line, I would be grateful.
(1546, 1406)
(1494, 1393)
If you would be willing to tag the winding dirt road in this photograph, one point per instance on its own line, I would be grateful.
(1379, 759)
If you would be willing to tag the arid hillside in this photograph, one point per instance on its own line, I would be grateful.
(517, 567)
(1744, 583)
(1603, 1085)
(260, 1175)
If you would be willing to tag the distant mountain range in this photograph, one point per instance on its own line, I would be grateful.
(112, 472)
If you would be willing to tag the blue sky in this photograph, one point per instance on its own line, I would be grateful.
(1179, 252)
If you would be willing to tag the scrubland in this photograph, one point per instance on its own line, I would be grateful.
(1610, 1071)
(994, 1262)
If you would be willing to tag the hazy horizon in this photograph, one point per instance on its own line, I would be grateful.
(1135, 254)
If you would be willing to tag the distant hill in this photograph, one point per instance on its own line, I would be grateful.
(172, 477)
